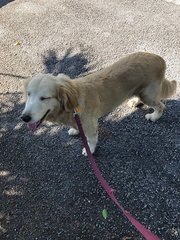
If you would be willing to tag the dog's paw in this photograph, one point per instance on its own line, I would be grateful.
(151, 116)
(84, 152)
(73, 132)
(92, 149)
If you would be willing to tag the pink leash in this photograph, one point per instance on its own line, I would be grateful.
(144, 231)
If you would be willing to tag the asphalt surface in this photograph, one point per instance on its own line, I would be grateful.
(48, 190)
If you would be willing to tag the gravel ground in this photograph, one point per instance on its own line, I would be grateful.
(48, 190)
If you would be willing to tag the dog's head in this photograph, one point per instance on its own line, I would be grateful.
(45, 94)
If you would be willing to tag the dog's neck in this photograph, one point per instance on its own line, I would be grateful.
(61, 117)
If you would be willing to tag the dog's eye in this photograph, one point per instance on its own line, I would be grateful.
(28, 93)
(42, 98)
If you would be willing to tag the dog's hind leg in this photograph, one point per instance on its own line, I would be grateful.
(151, 97)
(158, 111)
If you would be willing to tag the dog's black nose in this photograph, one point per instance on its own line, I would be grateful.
(26, 118)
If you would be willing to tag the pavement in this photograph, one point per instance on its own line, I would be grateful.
(48, 190)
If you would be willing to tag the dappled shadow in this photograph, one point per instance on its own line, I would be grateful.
(49, 190)
(4, 2)
(71, 64)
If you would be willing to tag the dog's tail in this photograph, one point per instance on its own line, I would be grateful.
(168, 88)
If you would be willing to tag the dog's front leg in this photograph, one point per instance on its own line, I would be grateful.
(92, 141)
(73, 131)
(91, 132)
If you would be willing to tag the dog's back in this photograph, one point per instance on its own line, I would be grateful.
(137, 74)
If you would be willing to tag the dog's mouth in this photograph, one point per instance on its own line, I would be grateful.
(33, 126)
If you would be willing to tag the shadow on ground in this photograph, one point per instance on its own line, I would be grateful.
(4, 2)
(72, 64)
(49, 190)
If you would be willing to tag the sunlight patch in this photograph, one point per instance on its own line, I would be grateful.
(49, 128)
(40, 131)
(13, 192)
(175, 232)
(54, 131)
(18, 126)
(4, 173)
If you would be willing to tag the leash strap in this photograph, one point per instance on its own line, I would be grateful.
(148, 235)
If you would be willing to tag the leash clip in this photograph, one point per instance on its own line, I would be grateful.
(77, 110)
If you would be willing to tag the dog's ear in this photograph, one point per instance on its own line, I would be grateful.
(67, 96)
(25, 83)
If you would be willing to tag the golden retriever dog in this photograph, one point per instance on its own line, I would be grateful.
(54, 98)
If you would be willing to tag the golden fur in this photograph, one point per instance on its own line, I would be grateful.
(140, 75)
